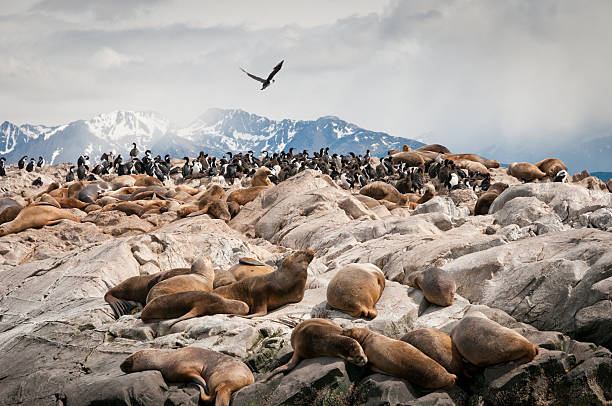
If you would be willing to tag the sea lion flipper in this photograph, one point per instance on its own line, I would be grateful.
(199, 382)
(250, 261)
(295, 359)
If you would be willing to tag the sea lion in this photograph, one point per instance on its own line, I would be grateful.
(183, 305)
(434, 148)
(215, 191)
(410, 158)
(222, 373)
(315, 338)
(609, 185)
(9, 209)
(400, 359)
(136, 289)
(223, 277)
(35, 216)
(437, 285)
(471, 166)
(489, 163)
(75, 187)
(525, 171)
(484, 342)
(200, 277)
(249, 267)
(47, 198)
(486, 199)
(245, 195)
(146, 180)
(270, 291)
(437, 346)
(124, 180)
(128, 208)
(260, 178)
(356, 288)
(70, 203)
(383, 191)
(430, 192)
(234, 208)
(551, 166)
(90, 193)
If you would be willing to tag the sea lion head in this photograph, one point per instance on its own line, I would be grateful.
(135, 362)
(3, 231)
(299, 259)
(355, 354)
(202, 265)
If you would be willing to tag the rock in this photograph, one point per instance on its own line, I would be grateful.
(552, 377)
(378, 389)
(464, 198)
(141, 388)
(117, 223)
(313, 381)
(568, 201)
(544, 281)
(601, 219)
(525, 211)
(438, 204)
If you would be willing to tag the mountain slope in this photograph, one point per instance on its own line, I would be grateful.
(214, 132)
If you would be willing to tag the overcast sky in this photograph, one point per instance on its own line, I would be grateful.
(454, 72)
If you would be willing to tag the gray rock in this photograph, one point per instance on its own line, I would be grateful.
(445, 205)
(383, 390)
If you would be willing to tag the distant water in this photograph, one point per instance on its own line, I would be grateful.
(602, 175)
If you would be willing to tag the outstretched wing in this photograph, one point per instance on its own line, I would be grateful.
(276, 69)
(257, 78)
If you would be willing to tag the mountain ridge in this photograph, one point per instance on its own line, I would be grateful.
(215, 131)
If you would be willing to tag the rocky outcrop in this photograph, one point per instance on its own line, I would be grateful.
(540, 264)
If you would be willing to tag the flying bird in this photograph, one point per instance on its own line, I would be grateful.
(269, 80)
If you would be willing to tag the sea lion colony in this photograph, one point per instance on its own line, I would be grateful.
(428, 358)
(148, 185)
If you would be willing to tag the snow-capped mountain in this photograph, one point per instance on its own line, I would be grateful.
(214, 132)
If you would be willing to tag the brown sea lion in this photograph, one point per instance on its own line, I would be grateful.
(189, 190)
(402, 360)
(525, 171)
(356, 288)
(489, 163)
(410, 158)
(437, 346)
(551, 166)
(383, 191)
(128, 208)
(75, 187)
(260, 178)
(215, 191)
(315, 338)
(609, 185)
(222, 373)
(136, 289)
(485, 200)
(60, 192)
(434, 148)
(245, 195)
(223, 277)
(249, 267)
(268, 292)
(9, 209)
(471, 166)
(70, 203)
(36, 216)
(234, 208)
(146, 180)
(430, 192)
(501, 344)
(437, 285)
(200, 277)
(47, 198)
(124, 180)
(183, 305)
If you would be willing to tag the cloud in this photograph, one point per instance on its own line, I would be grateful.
(458, 72)
(107, 58)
